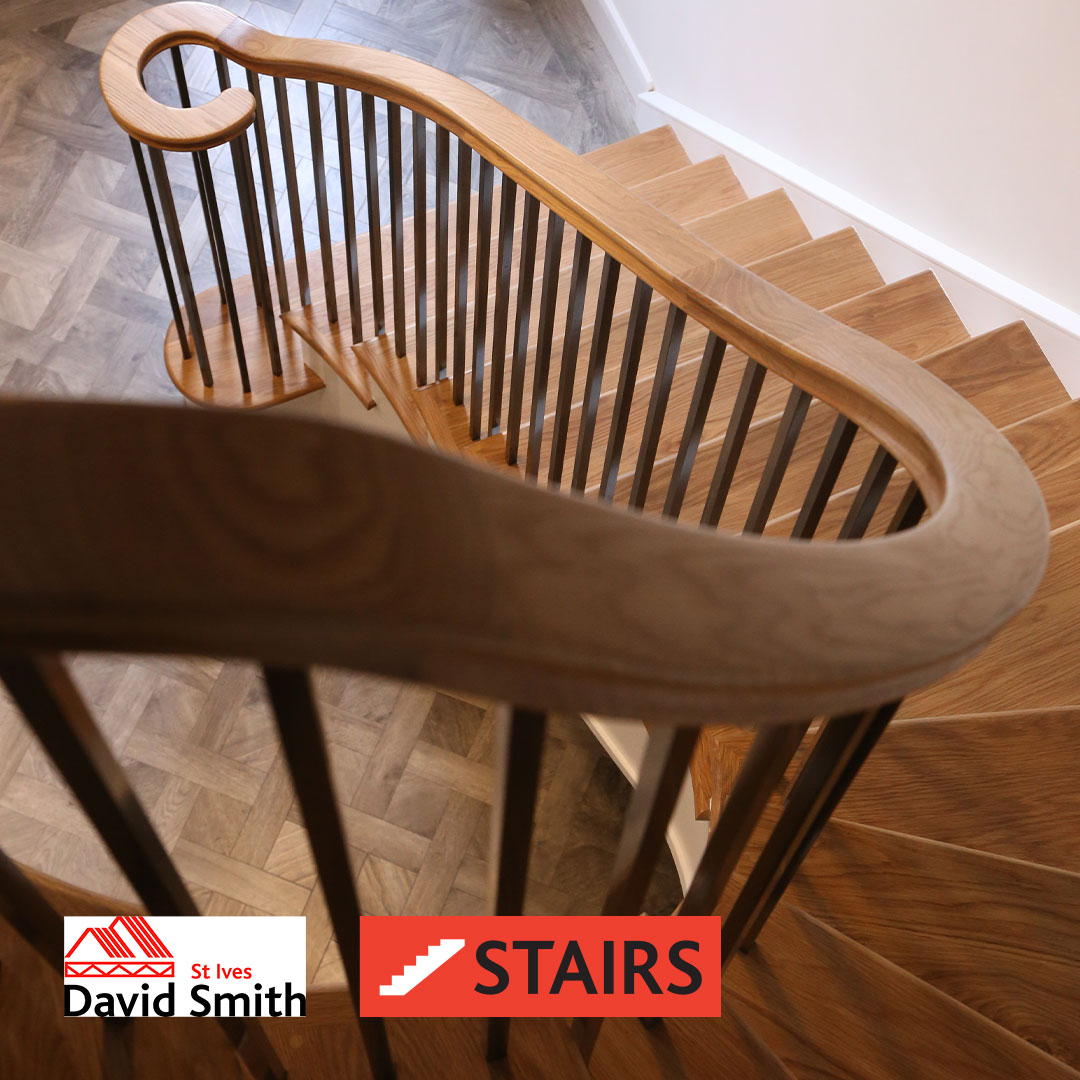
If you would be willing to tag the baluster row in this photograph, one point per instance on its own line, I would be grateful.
(500, 326)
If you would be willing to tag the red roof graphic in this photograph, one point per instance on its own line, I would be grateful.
(141, 954)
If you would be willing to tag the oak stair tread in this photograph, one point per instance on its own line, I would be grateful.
(999, 935)
(1022, 668)
(641, 157)
(721, 1048)
(754, 229)
(1049, 443)
(825, 271)
(912, 315)
(1003, 373)
(1004, 783)
(829, 1007)
(694, 190)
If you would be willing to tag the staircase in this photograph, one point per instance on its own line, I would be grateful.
(942, 898)
(930, 930)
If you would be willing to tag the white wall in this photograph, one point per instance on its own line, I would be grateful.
(959, 117)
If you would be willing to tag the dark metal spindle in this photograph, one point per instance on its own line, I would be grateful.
(700, 403)
(507, 212)
(176, 242)
(769, 755)
(521, 742)
(635, 336)
(822, 772)
(787, 434)
(159, 244)
(397, 225)
(910, 510)
(217, 240)
(869, 495)
(442, 246)
(794, 857)
(262, 150)
(545, 331)
(526, 272)
(825, 477)
(34, 919)
(461, 266)
(734, 438)
(249, 212)
(305, 749)
(663, 770)
(575, 309)
(322, 209)
(594, 375)
(374, 213)
(54, 708)
(348, 210)
(225, 81)
(204, 198)
(419, 174)
(661, 391)
(292, 188)
(483, 256)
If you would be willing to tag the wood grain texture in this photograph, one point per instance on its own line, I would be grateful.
(641, 158)
(684, 638)
(712, 291)
(693, 191)
(829, 1007)
(1001, 783)
(823, 272)
(1050, 444)
(997, 934)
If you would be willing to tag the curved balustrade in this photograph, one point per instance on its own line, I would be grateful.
(300, 544)
(856, 624)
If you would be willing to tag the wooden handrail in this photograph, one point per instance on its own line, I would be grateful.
(548, 602)
(302, 543)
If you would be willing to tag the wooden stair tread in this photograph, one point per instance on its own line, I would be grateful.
(694, 190)
(912, 316)
(1026, 666)
(690, 1049)
(1050, 445)
(753, 229)
(997, 934)
(1003, 373)
(327, 1043)
(1003, 783)
(828, 1007)
(641, 157)
(825, 271)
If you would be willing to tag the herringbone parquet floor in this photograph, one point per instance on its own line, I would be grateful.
(83, 313)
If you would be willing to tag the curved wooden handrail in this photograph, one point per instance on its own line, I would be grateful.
(620, 615)
(305, 543)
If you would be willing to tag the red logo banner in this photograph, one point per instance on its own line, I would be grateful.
(539, 966)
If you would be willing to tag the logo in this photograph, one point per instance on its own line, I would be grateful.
(539, 966)
(131, 948)
(131, 965)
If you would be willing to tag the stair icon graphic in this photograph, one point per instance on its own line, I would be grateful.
(427, 962)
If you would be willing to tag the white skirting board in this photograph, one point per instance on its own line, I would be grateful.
(625, 740)
(983, 298)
